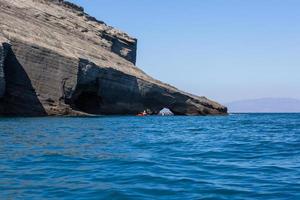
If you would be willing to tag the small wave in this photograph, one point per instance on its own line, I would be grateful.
(242, 156)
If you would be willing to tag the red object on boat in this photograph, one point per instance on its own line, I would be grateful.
(142, 114)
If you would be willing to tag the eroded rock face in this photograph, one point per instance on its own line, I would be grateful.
(4, 46)
(61, 61)
(2, 77)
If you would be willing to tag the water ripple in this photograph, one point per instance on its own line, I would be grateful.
(242, 156)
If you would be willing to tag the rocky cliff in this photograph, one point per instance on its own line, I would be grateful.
(57, 60)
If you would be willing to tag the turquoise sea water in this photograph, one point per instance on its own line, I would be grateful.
(241, 156)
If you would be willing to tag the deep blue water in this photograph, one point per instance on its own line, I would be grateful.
(241, 156)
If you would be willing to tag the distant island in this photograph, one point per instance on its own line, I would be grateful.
(265, 105)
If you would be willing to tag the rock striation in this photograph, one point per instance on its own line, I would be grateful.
(2, 58)
(57, 60)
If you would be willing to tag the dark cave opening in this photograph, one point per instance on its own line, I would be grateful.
(88, 102)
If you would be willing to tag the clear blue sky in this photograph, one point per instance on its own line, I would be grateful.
(223, 49)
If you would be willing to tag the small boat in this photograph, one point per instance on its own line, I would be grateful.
(142, 114)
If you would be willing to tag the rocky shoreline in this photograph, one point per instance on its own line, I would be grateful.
(57, 60)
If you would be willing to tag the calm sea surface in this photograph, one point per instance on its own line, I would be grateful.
(242, 156)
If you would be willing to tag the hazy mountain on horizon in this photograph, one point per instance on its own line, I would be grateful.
(265, 105)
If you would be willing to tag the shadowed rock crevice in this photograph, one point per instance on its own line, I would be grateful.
(20, 97)
(123, 48)
(3, 53)
(88, 102)
(108, 91)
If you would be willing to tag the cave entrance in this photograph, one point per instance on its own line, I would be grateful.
(88, 102)
(165, 112)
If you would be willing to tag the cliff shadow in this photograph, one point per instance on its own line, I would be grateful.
(102, 90)
(20, 97)
(108, 91)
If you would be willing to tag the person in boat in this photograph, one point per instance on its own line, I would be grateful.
(144, 113)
